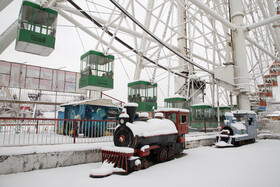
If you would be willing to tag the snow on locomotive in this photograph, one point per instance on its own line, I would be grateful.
(137, 143)
(240, 127)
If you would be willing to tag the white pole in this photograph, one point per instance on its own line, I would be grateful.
(239, 54)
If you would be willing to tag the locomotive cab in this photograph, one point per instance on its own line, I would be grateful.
(240, 127)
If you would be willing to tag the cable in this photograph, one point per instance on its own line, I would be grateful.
(124, 43)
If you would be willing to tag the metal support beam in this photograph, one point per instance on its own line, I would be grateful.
(273, 11)
(271, 30)
(8, 36)
(262, 48)
(212, 13)
(102, 21)
(261, 23)
(4, 4)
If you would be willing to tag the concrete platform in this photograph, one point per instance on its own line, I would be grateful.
(28, 158)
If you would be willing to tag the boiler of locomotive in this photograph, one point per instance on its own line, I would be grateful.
(135, 134)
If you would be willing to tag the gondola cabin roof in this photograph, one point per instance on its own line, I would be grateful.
(91, 52)
(175, 98)
(173, 110)
(201, 105)
(222, 107)
(141, 82)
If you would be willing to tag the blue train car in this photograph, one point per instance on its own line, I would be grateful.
(240, 127)
(97, 109)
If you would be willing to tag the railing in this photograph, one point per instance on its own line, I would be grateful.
(204, 126)
(31, 131)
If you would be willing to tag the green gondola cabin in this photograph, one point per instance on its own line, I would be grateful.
(144, 94)
(176, 101)
(36, 29)
(96, 71)
(203, 114)
(223, 109)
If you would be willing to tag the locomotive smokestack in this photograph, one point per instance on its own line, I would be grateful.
(131, 110)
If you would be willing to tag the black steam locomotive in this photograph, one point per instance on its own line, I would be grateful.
(138, 142)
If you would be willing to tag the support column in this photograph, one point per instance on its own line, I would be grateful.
(241, 73)
(147, 23)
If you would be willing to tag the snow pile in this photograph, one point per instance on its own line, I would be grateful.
(118, 149)
(238, 126)
(144, 148)
(159, 115)
(201, 104)
(137, 162)
(225, 131)
(130, 105)
(125, 115)
(229, 114)
(173, 110)
(243, 112)
(239, 135)
(222, 144)
(226, 121)
(105, 170)
(152, 127)
(143, 115)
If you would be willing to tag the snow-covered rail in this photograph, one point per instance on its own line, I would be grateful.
(31, 131)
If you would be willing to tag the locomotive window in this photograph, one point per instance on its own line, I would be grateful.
(183, 119)
(250, 121)
(172, 116)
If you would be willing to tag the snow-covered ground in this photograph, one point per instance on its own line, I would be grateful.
(250, 165)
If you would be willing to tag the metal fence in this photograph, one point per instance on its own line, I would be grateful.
(31, 131)
(204, 126)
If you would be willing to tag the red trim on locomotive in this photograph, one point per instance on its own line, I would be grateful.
(182, 127)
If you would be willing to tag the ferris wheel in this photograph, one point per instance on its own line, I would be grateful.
(204, 50)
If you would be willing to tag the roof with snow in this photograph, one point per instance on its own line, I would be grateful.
(198, 105)
(176, 96)
(243, 112)
(98, 102)
(172, 110)
(275, 113)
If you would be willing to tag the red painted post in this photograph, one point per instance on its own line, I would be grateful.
(75, 125)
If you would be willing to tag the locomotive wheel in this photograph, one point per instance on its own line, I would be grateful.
(145, 164)
(138, 167)
(170, 154)
(162, 155)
